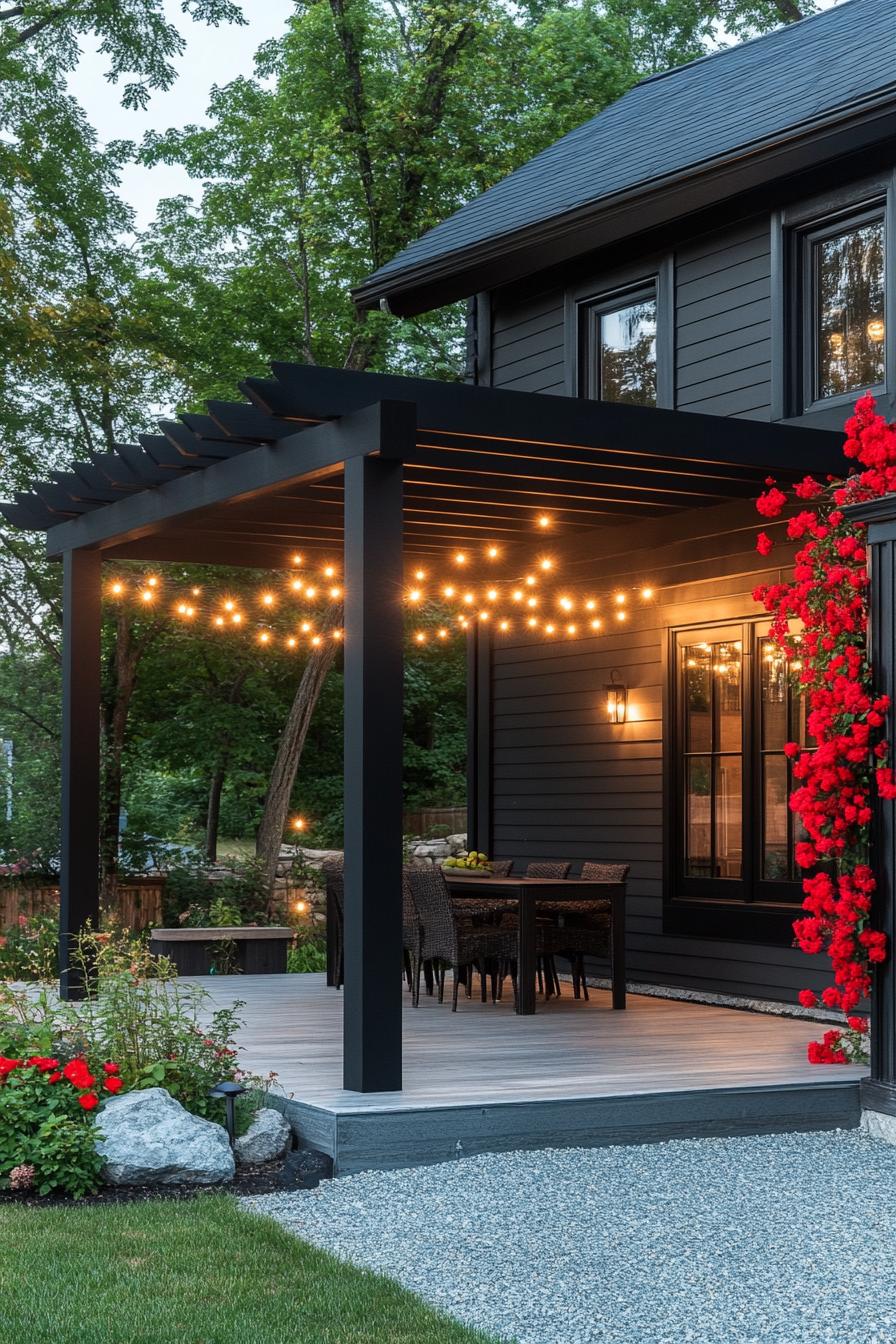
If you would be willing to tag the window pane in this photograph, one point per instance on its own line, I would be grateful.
(727, 672)
(729, 817)
(849, 307)
(775, 849)
(627, 355)
(773, 683)
(698, 824)
(698, 697)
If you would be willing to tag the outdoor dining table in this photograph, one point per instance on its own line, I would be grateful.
(527, 891)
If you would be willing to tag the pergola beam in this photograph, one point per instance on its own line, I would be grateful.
(312, 453)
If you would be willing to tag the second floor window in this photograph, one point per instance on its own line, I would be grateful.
(844, 326)
(619, 345)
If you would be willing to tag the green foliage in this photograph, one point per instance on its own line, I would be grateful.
(44, 1126)
(239, 897)
(308, 952)
(65, 1158)
(29, 949)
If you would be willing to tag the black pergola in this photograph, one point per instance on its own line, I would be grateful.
(392, 470)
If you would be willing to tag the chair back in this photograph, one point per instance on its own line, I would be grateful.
(501, 867)
(605, 872)
(556, 870)
(428, 890)
(335, 883)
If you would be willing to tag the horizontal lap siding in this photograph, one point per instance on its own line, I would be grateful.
(723, 323)
(568, 785)
(527, 342)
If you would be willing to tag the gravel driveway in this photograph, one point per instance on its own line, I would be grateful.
(788, 1239)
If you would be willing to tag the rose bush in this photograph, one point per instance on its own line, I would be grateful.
(46, 1122)
(819, 621)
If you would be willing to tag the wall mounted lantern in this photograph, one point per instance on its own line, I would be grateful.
(617, 699)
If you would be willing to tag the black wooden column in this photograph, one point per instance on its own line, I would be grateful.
(879, 1090)
(374, 670)
(479, 740)
(79, 868)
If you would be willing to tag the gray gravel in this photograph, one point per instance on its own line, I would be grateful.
(787, 1239)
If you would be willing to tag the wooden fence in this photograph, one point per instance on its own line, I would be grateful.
(422, 821)
(138, 903)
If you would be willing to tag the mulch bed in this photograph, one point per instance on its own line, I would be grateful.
(301, 1169)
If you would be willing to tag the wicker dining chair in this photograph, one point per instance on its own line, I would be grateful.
(558, 870)
(412, 935)
(587, 933)
(451, 940)
(335, 887)
(485, 907)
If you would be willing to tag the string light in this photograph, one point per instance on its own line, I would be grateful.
(449, 590)
(517, 595)
(228, 605)
(620, 598)
(621, 615)
(647, 594)
(329, 571)
(460, 557)
(298, 823)
(297, 586)
(567, 603)
(335, 593)
(549, 628)
(442, 633)
(147, 595)
(492, 595)
(503, 625)
(420, 637)
(298, 559)
(267, 599)
(544, 520)
(493, 552)
(152, 581)
(311, 593)
(419, 575)
(337, 635)
(414, 595)
(117, 589)
(571, 629)
(236, 618)
(264, 637)
(291, 642)
(316, 641)
(532, 622)
(546, 564)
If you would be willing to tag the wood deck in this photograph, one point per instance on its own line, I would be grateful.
(484, 1079)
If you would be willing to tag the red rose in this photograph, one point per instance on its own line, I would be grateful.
(113, 1084)
(109, 1067)
(859, 1024)
(808, 999)
(89, 1100)
(764, 544)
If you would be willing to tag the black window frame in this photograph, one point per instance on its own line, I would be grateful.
(750, 908)
(794, 229)
(586, 301)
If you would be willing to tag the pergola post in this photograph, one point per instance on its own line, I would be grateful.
(374, 670)
(879, 1090)
(79, 859)
(479, 746)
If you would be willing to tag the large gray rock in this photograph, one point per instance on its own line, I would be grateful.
(148, 1138)
(265, 1139)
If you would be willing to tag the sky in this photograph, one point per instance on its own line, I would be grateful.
(212, 56)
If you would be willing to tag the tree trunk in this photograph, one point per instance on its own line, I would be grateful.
(126, 659)
(289, 754)
(213, 816)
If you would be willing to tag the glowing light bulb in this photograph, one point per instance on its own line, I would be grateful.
(595, 624)
(492, 552)
(267, 599)
(181, 608)
(420, 637)
(531, 601)
(236, 618)
(153, 582)
(291, 642)
(549, 628)
(620, 598)
(460, 558)
(571, 629)
(414, 595)
(329, 571)
(117, 589)
(298, 559)
(532, 622)
(442, 633)
(310, 592)
(621, 615)
(531, 580)
(517, 595)
(647, 594)
(147, 595)
(484, 615)
(335, 593)
(590, 605)
(219, 620)
(300, 907)
(195, 591)
(544, 520)
(469, 599)
(297, 585)
(567, 603)
(449, 590)
(492, 595)
(546, 564)
(264, 637)
(298, 823)
(337, 635)
(306, 627)
(503, 625)
(228, 606)
(315, 640)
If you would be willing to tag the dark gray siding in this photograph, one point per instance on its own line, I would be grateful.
(567, 784)
(723, 323)
(722, 326)
(527, 342)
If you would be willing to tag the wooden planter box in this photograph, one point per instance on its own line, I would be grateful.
(260, 951)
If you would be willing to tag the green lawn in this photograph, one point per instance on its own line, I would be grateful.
(194, 1272)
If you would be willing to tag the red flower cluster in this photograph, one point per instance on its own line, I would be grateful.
(826, 603)
(76, 1072)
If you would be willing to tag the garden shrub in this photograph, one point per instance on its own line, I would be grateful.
(29, 949)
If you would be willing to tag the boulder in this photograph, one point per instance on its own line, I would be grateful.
(148, 1138)
(265, 1139)
(431, 849)
(457, 843)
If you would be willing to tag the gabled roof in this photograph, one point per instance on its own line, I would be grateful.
(724, 109)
